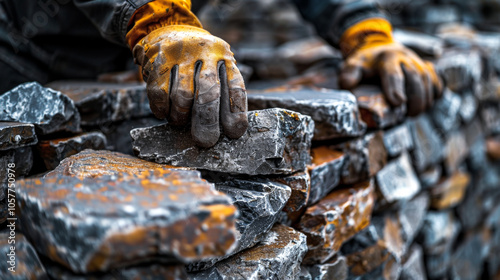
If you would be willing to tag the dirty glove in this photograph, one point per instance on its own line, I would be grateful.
(370, 50)
(190, 74)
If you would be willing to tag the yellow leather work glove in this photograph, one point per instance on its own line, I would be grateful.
(190, 74)
(369, 50)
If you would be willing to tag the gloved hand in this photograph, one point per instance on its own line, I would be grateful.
(370, 50)
(190, 74)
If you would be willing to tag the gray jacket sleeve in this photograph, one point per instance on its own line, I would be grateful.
(332, 17)
(110, 17)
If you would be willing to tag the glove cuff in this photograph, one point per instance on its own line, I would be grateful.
(371, 31)
(157, 14)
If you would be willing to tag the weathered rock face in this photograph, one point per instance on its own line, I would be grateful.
(108, 222)
(335, 112)
(374, 109)
(94, 164)
(278, 256)
(431, 176)
(493, 147)
(468, 107)
(16, 135)
(450, 192)
(398, 140)
(364, 158)
(150, 271)
(397, 180)
(445, 112)
(325, 171)
(23, 260)
(467, 259)
(106, 102)
(276, 142)
(335, 219)
(259, 205)
(368, 257)
(490, 115)
(461, 69)
(428, 147)
(50, 111)
(456, 150)
(53, 151)
(413, 267)
(335, 268)
(411, 217)
(421, 43)
(300, 185)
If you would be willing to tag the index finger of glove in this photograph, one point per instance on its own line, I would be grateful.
(233, 104)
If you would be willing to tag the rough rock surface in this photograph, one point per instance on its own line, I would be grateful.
(300, 184)
(335, 268)
(277, 142)
(259, 205)
(413, 267)
(278, 256)
(325, 171)
(468, 107)
(431, 176)
(24, 259)
(16, 135)
(53, 151)
(428, 147)
(467, 259)
(397, 180)
(94, 164)
(364, 158)
(493, 147)
(398, 140)
(107, 222)
(335, 112)
(368, 257)
(456, 150)
(335, 219)
(149, 271)
(374, 109)
(450, 191)
(445, 112)
(49, 110)
(411, 217)
(106, 102)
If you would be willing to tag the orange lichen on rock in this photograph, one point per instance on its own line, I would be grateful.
(450, 192)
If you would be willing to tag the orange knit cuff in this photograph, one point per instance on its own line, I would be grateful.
(159, 13)
(369, 30)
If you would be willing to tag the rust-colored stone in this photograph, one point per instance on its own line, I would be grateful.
(94, 164)
(335, 219)
(300, 184)
(111, 221)
(21, 263)
(450, 191)
(53, 151)
(325, 171)
(374, 109)
(493, 147)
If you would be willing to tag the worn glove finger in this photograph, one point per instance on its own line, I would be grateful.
(437, 82)
(350, 75)
(181, 94)
(233, 104)
(414, 90)
(429, 91)
(205, 115)
(393, 80)
(158, 85)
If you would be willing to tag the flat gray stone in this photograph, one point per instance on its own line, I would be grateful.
(335, 112)
(398, 140)
(421, 43)
(467, 259)
(278, 256)
(21, 263)
(16, 135)
(428, 147)
(108, 222)
(430, 177)
(276, 142)
(333, 269)
(54, 151)
(300, 184)
(106, 102)
(397, 180)
(49, 110)
(413, 267)
(456, 151)
(462, 69)
(446, 111)
(411, 217)
(468, 107)
(259, 205)
(439, 231)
